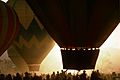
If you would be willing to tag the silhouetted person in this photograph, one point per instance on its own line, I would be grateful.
(17, 77)
(62, 75)
(53, 76)
(57, 77)
(95, 75)
(98, 75)
(9, 77)
(26, 77)
(40, 77)
(2, 77)
(47, 77)
(35, 77)
(69, 76)
(83, 76)
(113, 75)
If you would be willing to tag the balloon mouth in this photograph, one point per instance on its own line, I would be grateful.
(79, 59)
(79, 48)
(34, 67)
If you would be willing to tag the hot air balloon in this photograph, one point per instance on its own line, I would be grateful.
(33, 43)
(79, 27)
(9, 25)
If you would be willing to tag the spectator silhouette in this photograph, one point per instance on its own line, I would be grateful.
(2, 77)
(62, 75)
(26, 77)
(83, 76)
(35, 77)
(53, 76)
(57, 77)
(17, 77)
(40, 77)
(9, 77)
(69, 76)
(95, 75)
(113, 75)
(47, 77)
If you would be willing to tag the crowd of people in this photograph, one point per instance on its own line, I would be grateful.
(63, 75)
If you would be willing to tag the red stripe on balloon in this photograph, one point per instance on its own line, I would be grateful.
(10, 23)
(0, 22)
(15, 23)
(10, 32)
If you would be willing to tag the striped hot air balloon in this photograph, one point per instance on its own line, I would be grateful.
(9, 24)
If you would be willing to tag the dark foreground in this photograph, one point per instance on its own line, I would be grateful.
(63, 75)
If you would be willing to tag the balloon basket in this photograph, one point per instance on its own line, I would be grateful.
(79, 59)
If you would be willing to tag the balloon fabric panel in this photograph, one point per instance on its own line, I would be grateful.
(78, 23)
